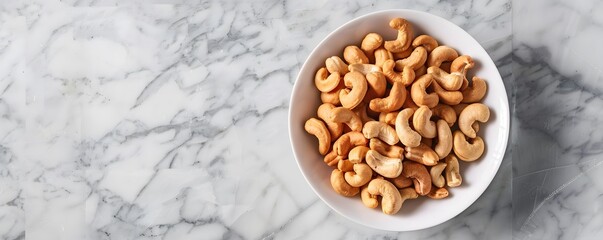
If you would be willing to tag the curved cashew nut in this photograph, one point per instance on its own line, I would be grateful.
(405, 35)
(447, 97)
(332, 159)
(361, 175)
(422, 124)
(363, 68)
(392, 102)
(449, 81)
(335, 64)
(384, 149)
(467, 151)
(441, 54)
(419, 175)
(386, 166)
(438, 193)
(436, 175)
(345, 165)
(473, 112)
(347, 141)
(360, 110)
(388, 117)
(476, 91)
(353, 54)
(381, 130)
(341, 186)
(444, 145)
(402, 182)
(346, 116)
(462, 64)
(445, 112)
(323, 112)
(426, 41)
(357, 154)
(453, 175)
(325, 82)
(351, 98)
(408, 193)
(422, 154)
(376, 85)
(332, 97)
(369, 200)
(418, 92)
(407, 136)
(382, 55)
(371, 42)
(406, 76)
(416, 59)
(391, 200)
(317, 128)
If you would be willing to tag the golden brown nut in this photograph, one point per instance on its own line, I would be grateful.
(346, 116)
(467, 150)
(407, 76)
(383, 165)
(384, 149)
(419, 175)
(445, 112)
(405, 35)
(418, 92)
(472, 113)
(357, 154)
(347, 141)
(323, 112)
(332, 159)
(341, 186)
(441, 54)
(476, 91)
(402, 182)
(335, 64)
(453, 175)
(319, 129)
(391, 200)
(422, 123)
(369, 200)
(382, 55)
(426, 41)
(350, 98)
(360, 175)
(325, 82)
(416, 59)
(380, 130)
(438, 193)
(392, 102)
(422, 154)
(376, 86)
(436, 175)
(407, 135)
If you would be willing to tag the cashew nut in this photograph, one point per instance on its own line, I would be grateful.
(408, 193)
(332, 97)
(386, 166)
(317, 128)
(473, 112)
(392, 102)
(357, 154)
(422, 124)
(444, 145)
(407, 136)
(453, 175)
(419, 175)
(445, 112)
(406, 76)
(416, 59)
(363, 68)
(382, 55)
(403, 54)
(449, 81)
(422, 154)
(384, 149)
(388, 117)
(351, 98)
(462, 64)
(436, 175)
(391, 200)
(402, 182)
(426, 41)
(467, 151)
(347, 141)
(405, 35)
(376, 85)
(341, 186)
(438, 193)
(332, 159)
(418, 92)
(325, 82)
(345, 165)
(476, 91)
(335, 64)
(323, 112)
(360, 175)
(360, 110)
(371, 42)
(369, 200)
(441, 54)
(353, 54)
(346, 116)
(447, 97)
(381, 130)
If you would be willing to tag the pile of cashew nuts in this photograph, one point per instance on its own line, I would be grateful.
(396, 118)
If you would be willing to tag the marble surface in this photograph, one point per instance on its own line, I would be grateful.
(168, 120)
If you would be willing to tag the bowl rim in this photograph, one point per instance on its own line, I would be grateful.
(505, 121)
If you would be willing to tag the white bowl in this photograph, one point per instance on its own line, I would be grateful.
(423, 212)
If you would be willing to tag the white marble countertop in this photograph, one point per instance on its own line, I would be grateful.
(163, 120)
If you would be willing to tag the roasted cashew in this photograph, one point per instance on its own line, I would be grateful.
(441, 54)
(476, 91)
(332, 159)
(436, 175)
(371, 42)
(323, 112)
(369, 200)
(388, 117)
(453, 175)
(384, 149)
(438, 193)
(345, 165)
(341, 186)
(357, 154)
(462, 64)
(351, 98)
(335, 64)
(385, 166)
(447, 97)
(418, 92)
(407, 76)
(332, 97)
(419, 175)
(407, 136)
(405, 35)
(392, 102)
(391, 200)
(363, 68)
(473, 112)
(360, 175)
(382, 55)
(449, 81)
(317, 128)
(467, 151)
(416, 59)
(408, 193)
(445, 112)
(376, 86)
(444, 145)
(347, 141)
(459, 108)
(380, 130)
(422, 123)
(325, 82)
(402, 182)
(422, 154)
(426, 41)
(346, 116)
(353, 54)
